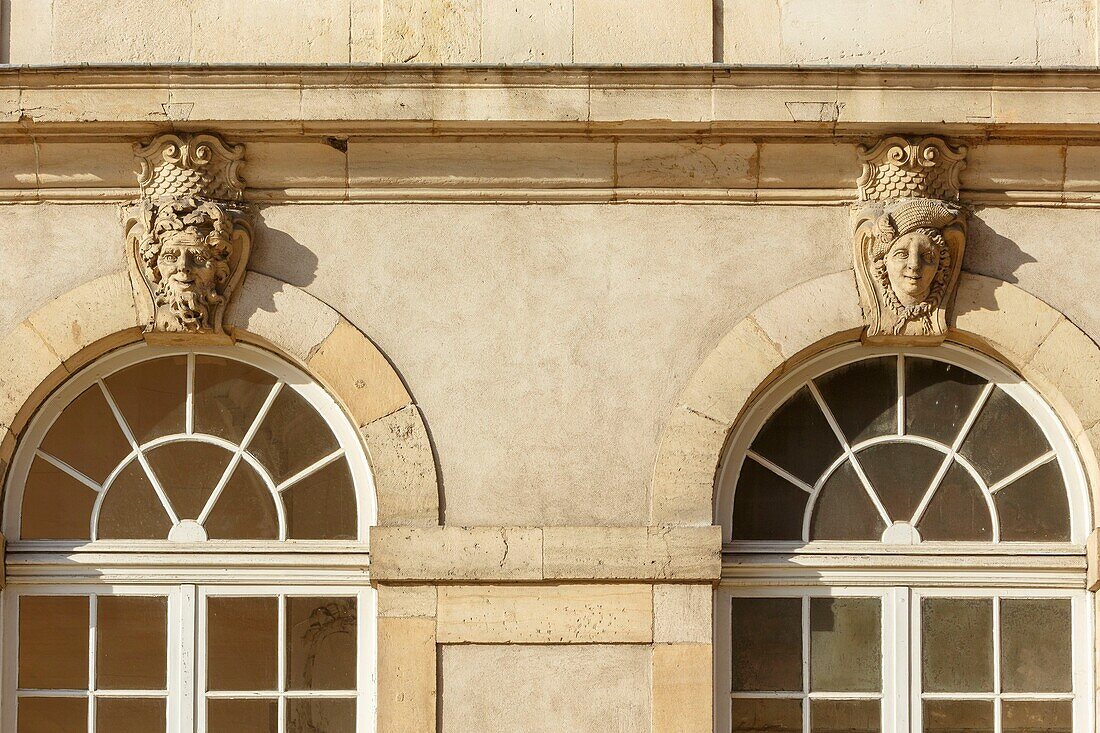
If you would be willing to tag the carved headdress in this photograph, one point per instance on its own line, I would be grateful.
(189, 238)
(908, 188)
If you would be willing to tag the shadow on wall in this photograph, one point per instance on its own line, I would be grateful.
(279, 255)
(993, 255)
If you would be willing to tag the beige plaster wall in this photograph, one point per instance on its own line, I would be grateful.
(934, 32)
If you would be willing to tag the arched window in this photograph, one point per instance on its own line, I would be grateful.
(904, 552)
(187, 552)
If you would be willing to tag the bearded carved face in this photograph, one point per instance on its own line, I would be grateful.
(911, 263)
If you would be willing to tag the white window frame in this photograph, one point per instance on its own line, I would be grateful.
(901, 573)
(187, 571)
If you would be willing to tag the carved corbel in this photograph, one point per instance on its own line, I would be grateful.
(910, 235)
(189, 237)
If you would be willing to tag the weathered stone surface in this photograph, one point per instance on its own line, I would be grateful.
(527, 31)
(406, 601)
(593, 689)
(686, 164)
(366, 31)
(545, 614)
(456, 553)
(274, 31)
(406, 675)
(1014, 167)
(431, 31)
(682, 613)
(1011, 320)
(1070, 360)
(687, 465)
(401, 460)
(670, 553)
(682, 688)
(791, 327)
(26, 361)
(95, 310)
(294, 165)
(286, 316)
(359, 374)
(75, 165)
(811, 164)
(623, 31)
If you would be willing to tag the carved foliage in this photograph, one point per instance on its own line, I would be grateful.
(189, 238)
(910, 235)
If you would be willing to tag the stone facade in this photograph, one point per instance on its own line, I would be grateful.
(546, 257)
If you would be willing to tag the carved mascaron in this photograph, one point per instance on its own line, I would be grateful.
(189, 238)
(910, 234)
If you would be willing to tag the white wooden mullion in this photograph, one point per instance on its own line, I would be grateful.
(964, 431)
(232, 465)
(895, 656)
(310, 470)
(184, 629)
(901, 394)
(781, 473)
(916, 679)
(66, 468)
(282, 662)
(157, 488)
(850, 454)
(93, 633)
(190, 411)
(1023, 471)
(997, 714)
(805, 663)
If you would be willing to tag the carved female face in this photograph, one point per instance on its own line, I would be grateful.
(911, 263)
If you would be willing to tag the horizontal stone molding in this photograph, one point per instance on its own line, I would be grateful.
(990, 315)
(545, 614)
(521, 554)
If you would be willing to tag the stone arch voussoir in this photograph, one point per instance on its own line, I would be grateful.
(990, 315)
(72, 330)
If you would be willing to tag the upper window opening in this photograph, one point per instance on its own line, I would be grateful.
(219, 444)
(903, 448)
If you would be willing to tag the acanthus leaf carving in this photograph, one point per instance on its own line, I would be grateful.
(909, 239)
(189, 238)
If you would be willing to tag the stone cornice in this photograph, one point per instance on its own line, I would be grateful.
(590, 101)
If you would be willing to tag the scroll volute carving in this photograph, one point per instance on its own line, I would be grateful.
(910, 235)
(189, 238)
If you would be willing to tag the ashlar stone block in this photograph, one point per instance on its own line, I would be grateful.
(666, 553)
(682, 613)
(527, 31)
(431, 31)
(406, 675)
(456, 553)
(682, 688)
(624, 31)
(401, 459)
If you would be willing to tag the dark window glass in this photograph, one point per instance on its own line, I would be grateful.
(1036, 639)
(1004, 438)
(767, 644)
(188, 472)
(133, 715)
(765, 506)
(131, 509)
(1037, 716)
(797, 438)
(242, 716)
(938, 398)
(87, 437)
(957, 511)
(322, 505)
(55, 505)
(844, 511)
(845, 716)
(320, 643)
(306, 715)
(245, 510)
(291, 437)
(900, 473)
(957, 641)
(152, 396)
(53, 642)
(958, 716)
(845, 644)
(131, 642)
(242, 642)
(228, 396)
(863, 397)
(1034, 507)
(766, 716)
(53, 714)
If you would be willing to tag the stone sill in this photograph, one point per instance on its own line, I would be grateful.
(343, 100)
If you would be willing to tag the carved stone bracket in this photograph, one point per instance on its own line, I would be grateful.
(910, 235)
(189, 237)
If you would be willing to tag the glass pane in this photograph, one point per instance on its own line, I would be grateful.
(766, 716)
(1034, 507)
(845, 716)
(845, 645)
(188, 472)
(863, 397)
(322, 505)
(957, 511)
(228, 395)
(938, 398)
(292, 437)
(242, 716)
(152, 396)
(765, 506)
(131, 642)
(797, 438)
(957, 640)
(55, 505)
(766, 638)
(130, 715)
(87, 437)
(1003, 439)
(958, 716)
(843, 510)
(53, 642)
(53, 714)
(1037, 716)
(320, 643)
(131, 509)
(324, 714)
(242, 642)
(245, 510)
(900, 473)
(1036, 637)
